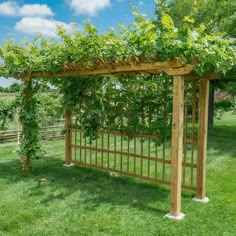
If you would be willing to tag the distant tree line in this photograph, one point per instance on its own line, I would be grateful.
(13, 88)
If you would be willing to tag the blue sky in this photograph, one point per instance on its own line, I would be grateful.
(24, 18)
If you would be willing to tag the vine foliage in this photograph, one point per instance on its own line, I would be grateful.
(27, 103)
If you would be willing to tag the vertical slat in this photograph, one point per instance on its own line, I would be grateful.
(75, 140)
(90, 152)
(163, 157)
(202, 138)
(185, 130)
(121, 156)
(68, 137)
(75, 132)
(194, 98)
(115, 151)
(102, 148)
(142, 141)
(149, 154)
(143, 126)
(80, 142)
(128, 154)
(134, 153)
(108, 145)
(177, 144)
(156, 161)
(85, 150)
(96, 152)
(165, 120)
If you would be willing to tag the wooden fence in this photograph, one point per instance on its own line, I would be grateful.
(46, 133)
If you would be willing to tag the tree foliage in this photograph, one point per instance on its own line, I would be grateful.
(214, 16)
(217, 15)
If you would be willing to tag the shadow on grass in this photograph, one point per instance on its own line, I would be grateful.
(87, 187)
(222, 139)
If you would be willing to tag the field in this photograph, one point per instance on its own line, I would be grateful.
(84, 201)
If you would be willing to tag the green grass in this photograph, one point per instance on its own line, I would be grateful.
(84, 201)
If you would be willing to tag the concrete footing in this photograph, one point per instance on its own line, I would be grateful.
(202, 200)
(68, 165)
(172, 217)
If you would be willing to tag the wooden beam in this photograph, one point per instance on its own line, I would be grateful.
(205, 76)
(202, 138)
(179, 71)
(156, 67)
(177, 143)
(68, 152)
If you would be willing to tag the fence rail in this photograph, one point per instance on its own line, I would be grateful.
(46, 133)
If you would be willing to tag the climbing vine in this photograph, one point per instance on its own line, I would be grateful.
(129, 104)
(27, 103)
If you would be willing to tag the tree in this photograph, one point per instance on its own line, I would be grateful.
(15, 87)
(216, 16)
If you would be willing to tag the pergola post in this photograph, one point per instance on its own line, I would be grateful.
(27, 90)
(176, 150)
(68, 149)
(202, 141)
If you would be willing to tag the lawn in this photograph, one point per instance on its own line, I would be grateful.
(84, 201)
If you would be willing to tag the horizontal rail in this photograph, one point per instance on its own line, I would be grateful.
(132, 155)
(122, 153)
(119, 133)
(122, 172)
(130, 174)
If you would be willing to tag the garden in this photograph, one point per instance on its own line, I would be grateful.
(135, 102)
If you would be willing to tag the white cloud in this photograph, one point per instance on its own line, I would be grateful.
(89, 7)
(35, 10)
(140, 3)
(11, 8)
(33, 25)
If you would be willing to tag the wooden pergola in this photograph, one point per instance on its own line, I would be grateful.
(180, 70)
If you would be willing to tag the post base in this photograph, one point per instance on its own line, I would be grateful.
(202, 200)
(172, 217)
(68, 165)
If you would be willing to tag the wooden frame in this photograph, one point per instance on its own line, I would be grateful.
(180, 70)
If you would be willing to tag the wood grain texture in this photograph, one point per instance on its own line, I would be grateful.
(177, 144)
(202, 138)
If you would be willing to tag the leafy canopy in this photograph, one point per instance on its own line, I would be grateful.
(142, 40)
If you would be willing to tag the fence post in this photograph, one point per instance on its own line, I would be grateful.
(176, 148)
(202, 141)
(68, 148)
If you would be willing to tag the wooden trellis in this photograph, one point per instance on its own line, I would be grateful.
(78, 151)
